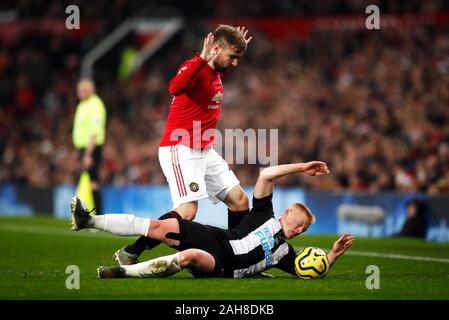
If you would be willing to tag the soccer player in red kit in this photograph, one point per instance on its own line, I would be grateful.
(194, 170)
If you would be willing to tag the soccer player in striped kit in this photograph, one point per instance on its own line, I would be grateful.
(257, 244)
(193, 169)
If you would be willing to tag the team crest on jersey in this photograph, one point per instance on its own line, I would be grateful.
(194, 187)
(182, 70)
(218, 97)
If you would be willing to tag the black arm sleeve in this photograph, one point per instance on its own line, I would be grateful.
(263, 204)
(261, 211)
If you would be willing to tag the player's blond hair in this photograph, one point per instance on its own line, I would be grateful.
(306, 210)
(230, 37)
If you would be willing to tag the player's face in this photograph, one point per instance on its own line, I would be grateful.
(227, 60)
(295, 222)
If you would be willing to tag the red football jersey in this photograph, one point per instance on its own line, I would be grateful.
(197, 94)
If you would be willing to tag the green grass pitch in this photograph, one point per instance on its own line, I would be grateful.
(36, 251)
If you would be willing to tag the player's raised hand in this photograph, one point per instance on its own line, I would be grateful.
(209, 53)
(244, 31)
(342, 244)
(315, 168)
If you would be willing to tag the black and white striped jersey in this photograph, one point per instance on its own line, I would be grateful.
(258, 244)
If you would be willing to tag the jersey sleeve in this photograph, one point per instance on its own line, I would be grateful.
(261, 211)
(263, 204)
(287, 263)
(184, 80)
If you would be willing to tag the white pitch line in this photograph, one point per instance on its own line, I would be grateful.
(389, 255)
(395, 256)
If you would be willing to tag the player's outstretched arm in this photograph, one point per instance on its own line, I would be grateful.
(339, 248)
(264, 184)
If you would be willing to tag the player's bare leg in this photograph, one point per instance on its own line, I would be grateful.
(193, 259)
(236, 199)
(160, 228)
(238, 206)
(197, 259)
(155, 268)
(188, 210)
(163, 266)
(130, 254)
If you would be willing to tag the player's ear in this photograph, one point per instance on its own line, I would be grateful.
(299, 229)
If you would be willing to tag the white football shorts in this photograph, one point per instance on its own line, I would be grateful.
(196, 174)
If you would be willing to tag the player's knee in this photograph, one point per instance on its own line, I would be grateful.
(155, 228)
(244, 202)
(241, 202)
(158, 228)
(189, 215)
(236, 199)
(188, 210)
(189, 258)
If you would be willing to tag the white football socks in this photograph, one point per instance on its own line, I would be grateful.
(155, 268)
(120, 224)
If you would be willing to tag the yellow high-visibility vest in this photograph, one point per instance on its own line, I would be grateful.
(90, 119)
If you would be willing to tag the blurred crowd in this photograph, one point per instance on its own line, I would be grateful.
(373, 105)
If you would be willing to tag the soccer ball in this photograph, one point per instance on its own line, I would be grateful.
(311, 263)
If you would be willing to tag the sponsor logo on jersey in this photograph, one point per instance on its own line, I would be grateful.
(267, 242)
(218, 97)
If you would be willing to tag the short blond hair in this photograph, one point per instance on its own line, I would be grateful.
(306, 210)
